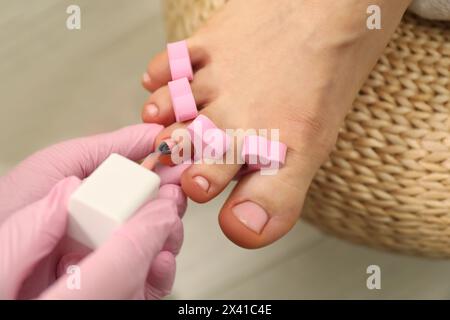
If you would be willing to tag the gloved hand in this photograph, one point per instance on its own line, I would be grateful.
(136, 262)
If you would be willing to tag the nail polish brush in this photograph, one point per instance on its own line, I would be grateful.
(152, 159)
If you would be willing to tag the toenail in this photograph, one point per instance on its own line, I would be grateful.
(146, 77)
(202, 183)
(251, 215)
(152, 110)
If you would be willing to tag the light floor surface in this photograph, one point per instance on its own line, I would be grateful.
(58, 84)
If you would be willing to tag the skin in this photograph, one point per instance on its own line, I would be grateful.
(298, 63)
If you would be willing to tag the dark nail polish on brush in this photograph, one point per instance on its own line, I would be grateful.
(164, 148)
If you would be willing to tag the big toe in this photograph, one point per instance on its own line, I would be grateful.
(263, 208)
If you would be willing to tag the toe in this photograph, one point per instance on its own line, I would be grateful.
(263, 208)
(202, 182)
(158, 72)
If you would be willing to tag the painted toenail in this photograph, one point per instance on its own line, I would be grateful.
(146, 77)
(202, 183)
(168, 145)
(152, 110)
(251, 215)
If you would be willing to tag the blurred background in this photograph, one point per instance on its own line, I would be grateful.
(58, 84)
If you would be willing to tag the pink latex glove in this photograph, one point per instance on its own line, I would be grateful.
(137, 261)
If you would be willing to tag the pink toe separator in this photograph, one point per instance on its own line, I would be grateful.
(183, 100)
(179, 60)
(261, 153)
(209, 141)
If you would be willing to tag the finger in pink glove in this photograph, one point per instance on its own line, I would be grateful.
(33, 178)
(31, 234)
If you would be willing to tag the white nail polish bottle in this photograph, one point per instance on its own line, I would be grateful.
(109, 197)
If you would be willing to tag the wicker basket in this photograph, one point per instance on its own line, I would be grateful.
(387, 183)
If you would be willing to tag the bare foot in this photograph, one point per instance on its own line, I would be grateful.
(291, 65)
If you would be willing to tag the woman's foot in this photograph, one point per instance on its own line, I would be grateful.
(295, 66)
